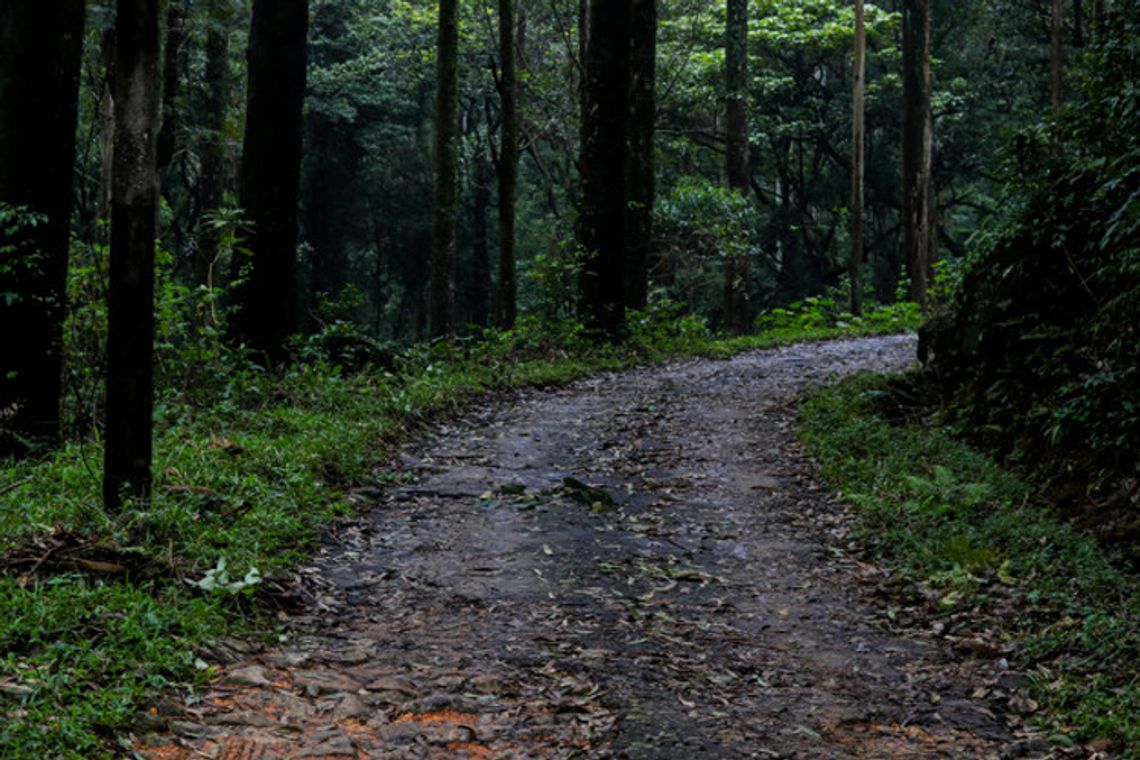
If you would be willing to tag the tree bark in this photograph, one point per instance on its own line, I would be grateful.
(441, 304)
(508, 169)
(738, 281)
(858, 151)
(134, 209)
(601, 217)
(167, 136)
(215, 106)
(270, 175)
(918, 141)
(1056, 56)
(640, 172)
(40, 48)
(479, 293)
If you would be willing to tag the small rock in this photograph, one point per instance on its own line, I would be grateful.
(188, 730)
(250, 718)
(317, 682)
(330, 743)
(251, 675)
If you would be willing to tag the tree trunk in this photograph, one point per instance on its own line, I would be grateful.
(857, 162)
(1078, 23)
(507, 297)
(270, 174)
(918, 139)
(479, 292)
(134, 209)
(213, 178)
(601, 217)
(167, 136)
(1056, 56)
(738, 281)
(441, 316)
(640, 173)
(40, 48)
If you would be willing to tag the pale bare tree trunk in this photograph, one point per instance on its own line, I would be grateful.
(857, 159)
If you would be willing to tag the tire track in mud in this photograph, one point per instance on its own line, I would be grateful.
(638, 565)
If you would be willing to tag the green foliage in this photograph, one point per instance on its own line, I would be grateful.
(965, 533)
(823, 312)
(1038, 344)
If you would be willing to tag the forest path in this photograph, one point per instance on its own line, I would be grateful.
(697, 604)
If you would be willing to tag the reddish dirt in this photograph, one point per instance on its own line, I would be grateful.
(688, 593)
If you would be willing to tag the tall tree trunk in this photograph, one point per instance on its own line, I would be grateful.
(601, 217)
(134, 209)
(479, 284)
(918, 141)
(270, 174)
(40, 49)
(507, 297)
(738, 280)
(167, 136)
(640, 172)
(855, 269)
(1078, 23)
(441, 305)
(1056, 55)
(215, 106)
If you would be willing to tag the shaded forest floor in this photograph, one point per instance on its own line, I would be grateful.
(638, 565)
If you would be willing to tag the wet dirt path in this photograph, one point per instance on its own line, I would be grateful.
(636, 566)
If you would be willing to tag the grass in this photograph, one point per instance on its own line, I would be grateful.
(961, 531)
(249, 468)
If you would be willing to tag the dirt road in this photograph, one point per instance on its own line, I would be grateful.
(635, 566)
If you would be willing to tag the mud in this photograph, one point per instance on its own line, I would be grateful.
(639, 565)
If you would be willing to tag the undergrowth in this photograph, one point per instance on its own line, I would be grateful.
(964, 533)
(99, 612)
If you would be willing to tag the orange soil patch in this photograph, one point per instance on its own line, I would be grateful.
(443, 716)
(471, 750)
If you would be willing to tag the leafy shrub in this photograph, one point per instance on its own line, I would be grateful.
(1039, 346)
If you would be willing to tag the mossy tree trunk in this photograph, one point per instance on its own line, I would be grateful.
(134, 209)
(40, 49)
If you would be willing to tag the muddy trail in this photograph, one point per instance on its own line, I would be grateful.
(639, 565)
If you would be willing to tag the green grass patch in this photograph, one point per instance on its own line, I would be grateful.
(249, 467)
(962, 531)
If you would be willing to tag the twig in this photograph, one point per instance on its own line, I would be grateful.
(13, 486)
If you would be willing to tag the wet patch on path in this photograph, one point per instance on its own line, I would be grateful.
(636, 566)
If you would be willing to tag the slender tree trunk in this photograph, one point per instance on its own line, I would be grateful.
(215, 106)
(167, 136)
(270, 174)
(40, 48)
(640, 173)
(479, 294)
(106, 132)
(441, 316)
(1056, 56)
(601, 218)
(1078, 23)
(134, 209)
(918, 140)
(507, 298)
(857, 165)
(738, 281)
